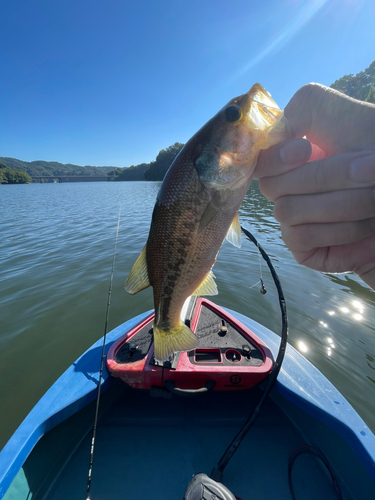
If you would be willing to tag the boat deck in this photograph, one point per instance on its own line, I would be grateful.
(150, 447)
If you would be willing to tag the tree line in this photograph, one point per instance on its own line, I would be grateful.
(360, 86)
(153, 171)
(13, 176)
(53, 168)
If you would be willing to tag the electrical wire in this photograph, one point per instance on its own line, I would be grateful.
(217, 472)
(317, 453)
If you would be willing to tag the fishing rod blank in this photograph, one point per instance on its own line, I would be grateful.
(89, 475)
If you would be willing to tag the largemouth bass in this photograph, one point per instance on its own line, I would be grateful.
(197, 207)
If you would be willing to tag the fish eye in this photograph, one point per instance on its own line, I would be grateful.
(232, 113)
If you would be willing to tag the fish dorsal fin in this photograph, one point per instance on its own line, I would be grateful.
(138, 278)
(234, 232)
(207, 286)
(211, 210)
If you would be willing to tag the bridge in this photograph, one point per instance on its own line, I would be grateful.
(71, 178)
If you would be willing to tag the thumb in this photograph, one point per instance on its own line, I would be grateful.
(333, 121)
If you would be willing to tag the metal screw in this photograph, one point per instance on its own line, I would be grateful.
(133, 346)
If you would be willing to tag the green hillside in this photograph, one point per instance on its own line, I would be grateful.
(51, 168)
(133, 173)
(13, 176)
(360, 86)
(163, 161)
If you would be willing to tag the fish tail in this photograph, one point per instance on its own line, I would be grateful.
(176, 339)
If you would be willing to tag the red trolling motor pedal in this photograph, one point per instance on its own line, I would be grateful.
(230, 357)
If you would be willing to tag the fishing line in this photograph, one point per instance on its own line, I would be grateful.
(217, 472)
(257, 283)
(89, 475)
(263, 290)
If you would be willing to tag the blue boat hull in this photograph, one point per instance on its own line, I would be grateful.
(308, 400)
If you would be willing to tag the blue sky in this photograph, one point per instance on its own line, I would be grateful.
(112, 82)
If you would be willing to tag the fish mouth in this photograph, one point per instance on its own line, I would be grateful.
(234, 137)
(262, 111)
(260, 95)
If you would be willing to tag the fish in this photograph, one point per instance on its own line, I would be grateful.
(197, 208)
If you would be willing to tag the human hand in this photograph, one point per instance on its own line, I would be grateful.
(324, 186)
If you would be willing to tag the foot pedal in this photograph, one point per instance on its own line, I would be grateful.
(201, 487)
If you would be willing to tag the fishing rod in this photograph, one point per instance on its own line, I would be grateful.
(217, 472)
(89, 475)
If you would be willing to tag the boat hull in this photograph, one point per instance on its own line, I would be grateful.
(304, 408)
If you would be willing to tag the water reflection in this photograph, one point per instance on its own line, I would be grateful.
(358, 305)
(350, 284)
(302, 346)
(347, 304)
(351, 311)
(330, 342)
(358, 317)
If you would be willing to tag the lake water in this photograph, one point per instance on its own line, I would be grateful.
(56, 251)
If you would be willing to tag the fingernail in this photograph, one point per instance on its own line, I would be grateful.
(363, 169)
(295, 151)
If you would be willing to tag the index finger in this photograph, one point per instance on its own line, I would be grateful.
(282, 157)
(333, 173)
(334, 121)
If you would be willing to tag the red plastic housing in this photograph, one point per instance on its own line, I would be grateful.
(191, 372)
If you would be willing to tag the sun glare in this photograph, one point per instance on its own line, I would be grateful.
(302, 346)
(303, 15)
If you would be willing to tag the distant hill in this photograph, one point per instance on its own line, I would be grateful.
(133, 173)
(39, 167)
(153, 171)
(163, 161)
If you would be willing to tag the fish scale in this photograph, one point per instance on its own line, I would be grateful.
(197, 207)
(177, 256)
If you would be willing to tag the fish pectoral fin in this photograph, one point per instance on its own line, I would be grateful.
(234, 232)
(138, 278)
(168, 341)
(211, 210)
(207, 286)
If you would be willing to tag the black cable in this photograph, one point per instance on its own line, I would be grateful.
(89, 475)
(317, 453)
(217, 472)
